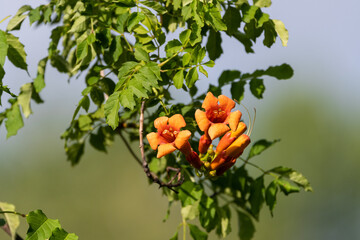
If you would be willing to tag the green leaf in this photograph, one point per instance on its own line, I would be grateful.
(283, 71)
(134, 19)
(185, 36)
(256, 198)
(173, 47)
(82, 50)
(137, 86)
(186, 59)
(127, 99)
(39, 81)
(281, 31)
(61, 234)
(195, 36)
(118, 48)
(232, 19)
(260, 146)
(191, 77)
(3, 47)
(241, 37)
(228, 76)
(270, 196)
(203, 71)
(237, 90)
(190, 212)
(249, 13)
(85, 123)
(83, 103)
(34, 15)
(40, 227)
(300, 180)
(16, 21)
(210, 63)
(97, 96)
(16, 52)
(286, 187)
(112, 107)
(79, 25)
(25, 97)
(141, 54)
(213, 45)
(74, 152)
(179, 79)
(156, 6)
(208, 216)
(189, 193)
(98, 141)
(214, 18)
(224, 227)
(257, 87)
(262, 3)
(175, 237)
(14, 120)
(12, 220)
(246, 226)
(196, 233)
(294, 176)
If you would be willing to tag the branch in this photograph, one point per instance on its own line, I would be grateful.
(145, 165)
(128, 146)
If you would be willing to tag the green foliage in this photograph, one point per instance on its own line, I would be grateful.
(12, 220)
(93, 38)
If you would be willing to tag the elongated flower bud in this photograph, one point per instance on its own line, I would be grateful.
(238, 146)
(230, 137)
(204, 143)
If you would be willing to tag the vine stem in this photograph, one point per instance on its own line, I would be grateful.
(129, 147)
(13, 212)
(170, 185)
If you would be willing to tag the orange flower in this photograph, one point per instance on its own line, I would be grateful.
(230, 137)
(227, 158)
(217, 116)
(168, 138)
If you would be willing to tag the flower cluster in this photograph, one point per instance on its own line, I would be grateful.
(217, 120)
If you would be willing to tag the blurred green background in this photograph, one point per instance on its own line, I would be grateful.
(315, 114)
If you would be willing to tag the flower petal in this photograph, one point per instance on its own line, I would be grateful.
(182, 138)
(177, 121)
(154, 140)
(241, 128)
(202, 120)
(234, 119)
(217, 129)
(210, 101)
(160, 123)
(226, 103)
(165, 149)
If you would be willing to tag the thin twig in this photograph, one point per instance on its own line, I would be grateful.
(128, 146)
(145, 165)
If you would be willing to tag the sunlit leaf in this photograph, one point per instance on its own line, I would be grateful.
(14, 120)
(281, 31)
(16, 52)
(24, 98)
(3, 47)
(112, 107)
(61, 234)
(259, 146)
(40, 227)
(12, 220)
